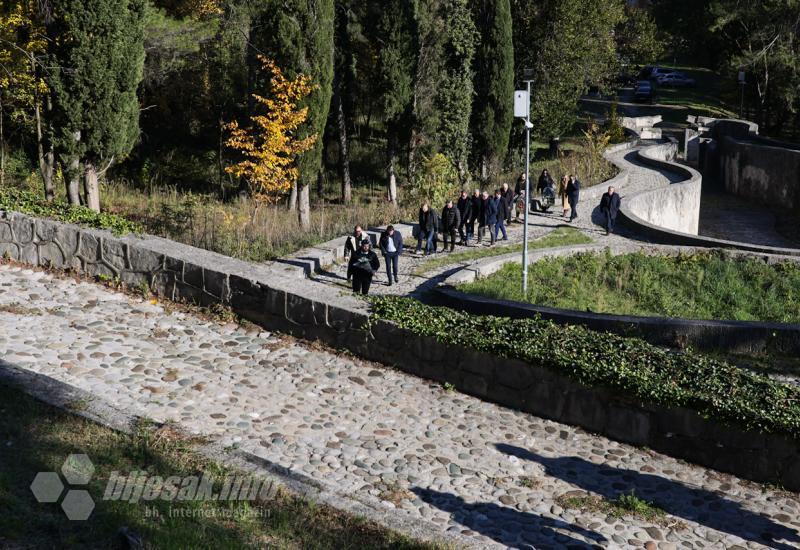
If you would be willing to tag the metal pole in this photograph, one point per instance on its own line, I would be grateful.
(527, 196)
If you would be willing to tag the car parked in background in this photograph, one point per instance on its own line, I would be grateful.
(675, 80)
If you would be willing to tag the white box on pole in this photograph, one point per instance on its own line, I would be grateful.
(522, 104)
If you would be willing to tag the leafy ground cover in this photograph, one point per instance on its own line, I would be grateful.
(708, 285)
(562, 236)
(35, 437)
(27, 202)
(630, 366)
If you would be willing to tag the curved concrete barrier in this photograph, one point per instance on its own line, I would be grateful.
(704, 334)
(670, 214)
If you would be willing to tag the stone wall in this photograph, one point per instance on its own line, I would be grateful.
(278, 297)
(674, 207)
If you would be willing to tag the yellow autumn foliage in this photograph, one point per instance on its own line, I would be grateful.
(269, 146)
(21, 42)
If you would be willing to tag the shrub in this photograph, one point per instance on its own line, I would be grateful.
(27, 202)
(630, 366)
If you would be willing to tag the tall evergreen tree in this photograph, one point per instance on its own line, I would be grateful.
(492, 113)
(396, 39)
(98, 57)
(298, 35)
(443, 87)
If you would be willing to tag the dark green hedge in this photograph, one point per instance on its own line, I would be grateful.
(633, 367)
(26, 202)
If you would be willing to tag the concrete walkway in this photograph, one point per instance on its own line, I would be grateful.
(381, 436)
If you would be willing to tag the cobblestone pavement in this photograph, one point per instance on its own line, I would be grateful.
(588, 222)
(465, 465)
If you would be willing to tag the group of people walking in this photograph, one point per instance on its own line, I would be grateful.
(490, 212)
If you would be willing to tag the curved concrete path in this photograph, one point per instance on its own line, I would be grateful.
(380, 436)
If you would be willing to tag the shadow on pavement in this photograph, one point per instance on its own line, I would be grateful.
(698, 505)
(510, 527)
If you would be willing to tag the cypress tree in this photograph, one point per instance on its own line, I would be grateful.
(492, 113)
(98, 53)
(298, 35)
(395, 39)
(443, 88)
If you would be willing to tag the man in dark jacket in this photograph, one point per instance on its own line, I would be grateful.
(363, 265)
(475, 213)
(465, 211)
(427, 228)
(451, 221)
(391, 245)
(507, 194)
(609, 206)
(573, 194)
(503, 212)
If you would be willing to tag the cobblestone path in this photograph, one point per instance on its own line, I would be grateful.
(381, 436)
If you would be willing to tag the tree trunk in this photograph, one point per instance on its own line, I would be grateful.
(293, 198)
(392, 160)
(344, 154)
(304, 206)
(91, 187)
(2, 149)
(72, 179)
(46, 160)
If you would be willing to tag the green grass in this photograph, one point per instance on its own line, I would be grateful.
(562, 236)
(35, 437)
(713, 95)
(625, 505)
(708, 285)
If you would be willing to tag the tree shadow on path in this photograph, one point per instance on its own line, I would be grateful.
(510, 527)
(693, 504)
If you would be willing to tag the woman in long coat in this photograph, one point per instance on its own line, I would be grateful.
(562, 192)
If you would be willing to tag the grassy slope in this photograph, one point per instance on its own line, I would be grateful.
(705, 286)
(563, 236)
(35, 437)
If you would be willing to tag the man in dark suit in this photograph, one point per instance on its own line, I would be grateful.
(609, 206)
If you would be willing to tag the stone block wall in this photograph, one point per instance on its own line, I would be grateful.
(275, 297)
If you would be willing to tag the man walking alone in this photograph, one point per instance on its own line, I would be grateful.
(609, 206)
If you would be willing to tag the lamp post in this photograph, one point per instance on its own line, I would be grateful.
(522, 109)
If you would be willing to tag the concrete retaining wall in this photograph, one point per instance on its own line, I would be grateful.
(710, 335)
(275, 297)
(674, 207)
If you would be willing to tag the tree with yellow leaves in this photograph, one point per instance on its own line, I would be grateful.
(22, 42)
(269, 147)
